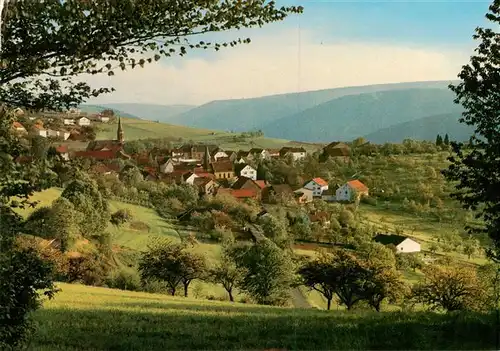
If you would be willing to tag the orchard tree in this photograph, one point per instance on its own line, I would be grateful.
(474, 166)
(450, 288)
(227, 274)
(172, 264)
(63, 40)
(268, 271)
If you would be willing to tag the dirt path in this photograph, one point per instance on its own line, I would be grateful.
(299, 300)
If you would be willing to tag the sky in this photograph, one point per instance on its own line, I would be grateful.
(332, 44)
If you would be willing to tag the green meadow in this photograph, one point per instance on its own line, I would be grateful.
(90, 318)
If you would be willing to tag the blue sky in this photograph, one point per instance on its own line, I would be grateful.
(332, 44)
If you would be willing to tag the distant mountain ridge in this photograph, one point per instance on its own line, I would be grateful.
(379, 111)
(254, 113)
(425, 128)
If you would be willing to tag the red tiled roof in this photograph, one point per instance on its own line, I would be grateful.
(101, 155)
(205, 175)
(17, 125)
(23, 159)
(261, 183)
(62, 149)
(320, 181)
(243, 193)
(357, 185)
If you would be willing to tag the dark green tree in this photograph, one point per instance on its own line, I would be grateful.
(446, 140)
(84, 194)
(439, 140)
(475, 166)
(172, 264)
(24, 275)
(268, 271)
(64, 39)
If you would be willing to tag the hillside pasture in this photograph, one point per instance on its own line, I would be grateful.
(136, 129)
(91, 318)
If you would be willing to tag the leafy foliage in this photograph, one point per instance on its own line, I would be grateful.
(172, 264)
(71, 38)
(268, 273)
(475, 165)
(450, 288)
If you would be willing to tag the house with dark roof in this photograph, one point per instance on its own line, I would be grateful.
(195, 151)
(277, 192)
(222, 170)
(317, 186)
(403, 244)
(259, 153)
(247, 183)
(336, 150)
(353, 190)
(303, 195)
(297, 153)
(205, 185)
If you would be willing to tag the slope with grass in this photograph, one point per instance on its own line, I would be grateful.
(89, 318)
(255, 113)
(136, 129)
(98, 108)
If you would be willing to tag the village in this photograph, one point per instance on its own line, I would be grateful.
(210, 169)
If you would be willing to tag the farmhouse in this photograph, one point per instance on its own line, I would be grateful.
(259, 153)
(84, 121)
(249, 172)
(277, 192)
(403, 244)
(297, 153)
(336, 150)
(351, 191)
(189, 178)
(19, 128)
(317, 185)
(167, 166)
(205, 185)
(223, 170)
(303, 195)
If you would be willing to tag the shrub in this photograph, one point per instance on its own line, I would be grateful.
(121, 216)
(124, 279)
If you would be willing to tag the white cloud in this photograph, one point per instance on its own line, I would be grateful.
(278, 64)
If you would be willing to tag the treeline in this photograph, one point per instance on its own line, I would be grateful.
(369, 277)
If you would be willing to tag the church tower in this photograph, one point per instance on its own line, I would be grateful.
(119, 132)
(206, 159)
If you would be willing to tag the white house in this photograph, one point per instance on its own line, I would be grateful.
(262, 153)
(104, 119)
(167, 166)
(240, 160)
(349, 190)
(297, 153)
(403, 244)
(220, 154)
(189, 178)
(69, 121)
(38, 130)
(317, 185)
(249, 172)
(84, 121)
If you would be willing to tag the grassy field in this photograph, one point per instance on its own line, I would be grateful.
(424, 231)
(135, 129)
(90, 318)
